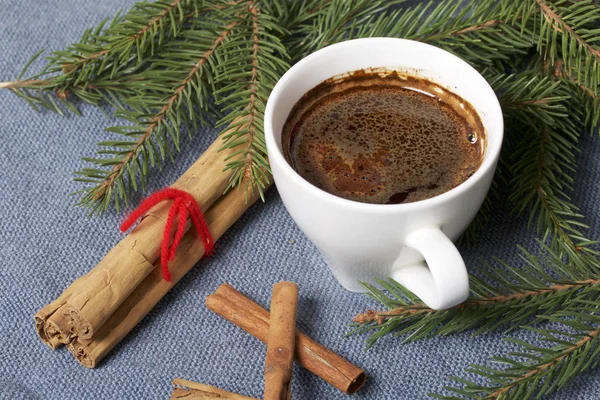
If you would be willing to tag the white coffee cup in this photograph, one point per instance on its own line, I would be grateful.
(361, 241)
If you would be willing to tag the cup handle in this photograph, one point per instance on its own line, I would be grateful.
(444, 282)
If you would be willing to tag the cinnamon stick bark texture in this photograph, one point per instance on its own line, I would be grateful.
(252, 318)
(224, 213)
(199, 391)
(281, 341)
(84, 306)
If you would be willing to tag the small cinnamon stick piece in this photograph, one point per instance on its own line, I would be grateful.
(280, 342)
(224, 213)
(90, 300)
(252, 318)
(199, 391)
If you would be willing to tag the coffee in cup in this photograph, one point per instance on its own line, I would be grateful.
(383, 137)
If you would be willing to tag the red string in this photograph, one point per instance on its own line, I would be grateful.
(183, 205)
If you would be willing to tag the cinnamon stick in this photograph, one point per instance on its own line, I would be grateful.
(199, 391)
(90, 300)
(252, 318)
(280, 342)
(223, 214)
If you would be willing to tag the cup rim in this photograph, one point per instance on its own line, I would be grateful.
(276, 155)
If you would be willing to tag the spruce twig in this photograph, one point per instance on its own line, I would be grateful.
(564, 291)
(245, 83)
(96, 69)
(173, 106)
(572, 25)
(507, 297)
(480, 34)
(541, 136)
(538, 371)
(162, 22)
(331, 23)
(589, 97)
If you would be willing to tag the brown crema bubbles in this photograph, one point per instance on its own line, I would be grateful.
(383, 137)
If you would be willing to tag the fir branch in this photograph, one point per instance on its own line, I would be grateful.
(533, 104)
(184, 67)
(245, 83)
(542, 131)
(102, 90)
(332, 22)
(563, 291)
(131, 38)
(509, 297)
(542, 166)
(590, 103)
(589, 98)
(163, 19)
(538, 371)
(480, 33)
(292, 13)
(568, 31)
(526, 94)
(114, 54)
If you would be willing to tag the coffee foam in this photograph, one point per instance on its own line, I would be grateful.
(383, 139)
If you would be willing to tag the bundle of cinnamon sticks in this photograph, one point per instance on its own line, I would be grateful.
(100, 308)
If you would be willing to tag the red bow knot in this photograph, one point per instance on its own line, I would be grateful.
(183, 206)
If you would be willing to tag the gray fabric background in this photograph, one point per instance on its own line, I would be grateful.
(46, 243)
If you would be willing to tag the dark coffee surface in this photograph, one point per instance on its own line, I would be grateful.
(383, 139)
